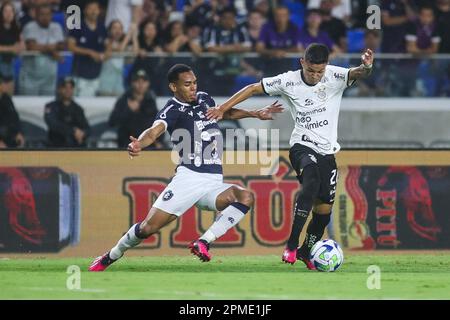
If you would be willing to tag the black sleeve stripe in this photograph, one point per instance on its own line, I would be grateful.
(264, 89)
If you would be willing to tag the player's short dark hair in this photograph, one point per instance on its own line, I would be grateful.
(317, 53)
(174, 72)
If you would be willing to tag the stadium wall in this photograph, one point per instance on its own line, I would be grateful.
(364, 122)
(61, 203)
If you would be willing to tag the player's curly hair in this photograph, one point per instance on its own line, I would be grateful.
(317, 53)
(175, 71)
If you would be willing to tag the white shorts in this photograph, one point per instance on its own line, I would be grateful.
(189, 188)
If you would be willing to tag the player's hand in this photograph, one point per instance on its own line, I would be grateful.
(214, 113)
(267, 112)
(134, 147)
(367, 58)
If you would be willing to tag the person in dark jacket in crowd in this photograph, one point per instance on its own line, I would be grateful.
(10, 131)
(135, 110)
(67, 124)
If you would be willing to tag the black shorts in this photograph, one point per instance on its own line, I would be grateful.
(302, 156)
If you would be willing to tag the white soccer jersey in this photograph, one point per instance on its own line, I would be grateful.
(315, 109)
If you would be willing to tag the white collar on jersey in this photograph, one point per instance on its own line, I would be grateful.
(182, 103)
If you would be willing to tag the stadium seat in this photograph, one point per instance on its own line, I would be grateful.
(297, 12)
(60, 18)
(65, 67)
(355, 39)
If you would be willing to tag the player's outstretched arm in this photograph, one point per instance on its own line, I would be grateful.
(146, 138)
(265, 113)
(365, 68)
(242, 95)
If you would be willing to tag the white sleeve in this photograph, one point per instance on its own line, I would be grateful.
(340, 76)
(274, 85)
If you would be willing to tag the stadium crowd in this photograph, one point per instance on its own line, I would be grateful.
(121, 42)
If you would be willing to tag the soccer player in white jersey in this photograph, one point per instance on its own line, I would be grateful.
(198, 179)
(313, 95)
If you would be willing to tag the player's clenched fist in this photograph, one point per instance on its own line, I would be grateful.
(134, 147)
(367, 58)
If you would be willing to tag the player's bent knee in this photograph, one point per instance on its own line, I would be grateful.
(246, 197)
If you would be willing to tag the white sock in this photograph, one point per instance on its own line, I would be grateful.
(129, 240)
(224, 221)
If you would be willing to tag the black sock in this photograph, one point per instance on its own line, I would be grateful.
(314, 233)
(310, 188)
(297, 227)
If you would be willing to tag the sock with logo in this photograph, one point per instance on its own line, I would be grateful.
(226, 220)
(310, 189)
(314, 232)
(130, 239)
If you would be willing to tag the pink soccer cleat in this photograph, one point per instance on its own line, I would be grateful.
(200, 248)
(101, 263)
(289, 256)
(306, 261)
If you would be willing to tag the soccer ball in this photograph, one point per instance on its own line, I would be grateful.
(327, 255)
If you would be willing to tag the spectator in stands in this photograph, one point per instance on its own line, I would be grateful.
(177, 41)
(225, 38)
(255, 23)
(149, 42)
(312, 33)
(199, 12)
(39, 72)
(90, 50)
(333, 26)
(373, 86)
(10, 44)
(10, 129)
(422, 39)
(421, 35)
(341, 9)
(395, 16)
(128, 12)
(134, 110)
(111, 76)
(155, 11)
(67, 124)
(443, 20)
(279, 36)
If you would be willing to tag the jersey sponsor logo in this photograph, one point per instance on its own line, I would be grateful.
(312, 112)
(323, 145)
(167, 195)
(339, 76)
(274, 82)
(292, 84)
(315, 125)
(200, 125)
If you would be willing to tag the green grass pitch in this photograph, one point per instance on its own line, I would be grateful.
(403, 276)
